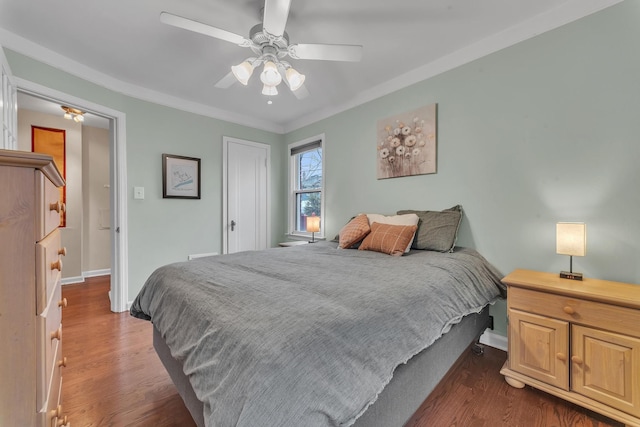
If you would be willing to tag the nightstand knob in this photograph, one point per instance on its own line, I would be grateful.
(63, 362)
(62, 303)
(57, 206)
(57, 412)
(561, 356)
(576, 360)
(568, 309)
(62, 251)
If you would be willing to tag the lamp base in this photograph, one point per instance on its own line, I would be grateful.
(570, 275)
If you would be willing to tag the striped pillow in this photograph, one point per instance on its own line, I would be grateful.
(389, 239)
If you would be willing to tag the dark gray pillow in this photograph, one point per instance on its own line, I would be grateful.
(437, 230)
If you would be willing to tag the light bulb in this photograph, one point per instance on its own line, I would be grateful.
(67, 116)
(242, 72)
(295, 79)
(270, 75)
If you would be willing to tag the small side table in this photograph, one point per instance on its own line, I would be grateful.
(293, 243)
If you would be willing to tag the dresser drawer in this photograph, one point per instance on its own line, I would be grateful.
(52, 412)
(49, 345)
(48, 206)
(576, 310)
(48, 268)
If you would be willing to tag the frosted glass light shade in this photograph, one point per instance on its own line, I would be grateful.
(295, 79)
(571, 238)
(270, 75)
(269, 90)
(242, 72)
(313, 224)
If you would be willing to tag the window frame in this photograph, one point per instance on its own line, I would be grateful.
(294, 191)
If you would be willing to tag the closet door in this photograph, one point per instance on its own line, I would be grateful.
(9, 105)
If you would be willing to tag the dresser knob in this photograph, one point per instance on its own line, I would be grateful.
(62, 303)
(577, 360)
(55, 413)
(57, 206)
(62, 251)
(568, 309)
(57, 334)
(62, 363)
(561, 356)
(62, 422)
(57, 265)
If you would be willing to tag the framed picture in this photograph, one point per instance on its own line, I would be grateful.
(407, 143)
(180, 177)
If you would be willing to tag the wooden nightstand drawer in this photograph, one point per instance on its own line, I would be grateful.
(48, 206)
(576, 310)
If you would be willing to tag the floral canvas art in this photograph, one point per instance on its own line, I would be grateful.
(407, 143)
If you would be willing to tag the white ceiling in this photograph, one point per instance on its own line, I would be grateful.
(123, 46)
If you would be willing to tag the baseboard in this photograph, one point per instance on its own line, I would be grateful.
(85, 274)
(494, 340)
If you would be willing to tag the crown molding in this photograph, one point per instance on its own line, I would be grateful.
(41, 54)
(552, 19)
(563, 14)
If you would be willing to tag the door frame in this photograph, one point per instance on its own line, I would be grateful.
(117, 180)
(226, 140)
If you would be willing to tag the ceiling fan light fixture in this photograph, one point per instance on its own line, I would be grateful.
(270, 75)
(269, 90)
(242, 72)
(295, 79)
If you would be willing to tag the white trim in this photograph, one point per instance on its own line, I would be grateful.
(494, 340)
(118, 182)
(54, 59)
(96, 273)
(225, 149)
(195, 256)
(561, 15)
(85, 275)
(291, 226)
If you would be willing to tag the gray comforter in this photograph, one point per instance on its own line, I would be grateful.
(309, 335)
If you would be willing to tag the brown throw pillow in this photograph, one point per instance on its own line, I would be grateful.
(389, 239)
(354, 231)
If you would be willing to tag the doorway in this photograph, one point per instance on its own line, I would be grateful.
(117, 180)
(245, 218)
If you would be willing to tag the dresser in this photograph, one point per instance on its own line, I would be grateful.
(30, 294)
(578, 340)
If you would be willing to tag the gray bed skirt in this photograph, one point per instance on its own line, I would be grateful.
(400, 399)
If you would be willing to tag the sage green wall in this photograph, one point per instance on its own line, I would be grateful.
(541, 132)
(167, 230)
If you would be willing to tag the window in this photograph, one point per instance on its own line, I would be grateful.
(306, 180)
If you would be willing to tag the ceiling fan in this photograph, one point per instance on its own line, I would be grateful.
(270, 44)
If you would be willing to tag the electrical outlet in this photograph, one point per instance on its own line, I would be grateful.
(138, 193)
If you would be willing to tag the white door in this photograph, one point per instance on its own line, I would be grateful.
(246, 195)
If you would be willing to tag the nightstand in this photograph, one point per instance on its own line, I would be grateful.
(293, 243)
(579, 341)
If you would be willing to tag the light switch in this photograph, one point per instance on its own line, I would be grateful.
(138, 192)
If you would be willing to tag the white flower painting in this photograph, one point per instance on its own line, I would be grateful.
(407, 143)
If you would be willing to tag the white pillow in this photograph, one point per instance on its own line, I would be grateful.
(406, 219)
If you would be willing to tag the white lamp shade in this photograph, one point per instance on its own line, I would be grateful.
(571, 238)
(242, 72)
(270, 75)
(313, 224)
(295, 79)
(269, 90)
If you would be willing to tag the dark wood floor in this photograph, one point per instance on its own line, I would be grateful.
(114, 378)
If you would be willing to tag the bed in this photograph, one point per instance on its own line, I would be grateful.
(314, 335)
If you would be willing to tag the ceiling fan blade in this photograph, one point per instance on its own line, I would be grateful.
(326, 52)
(275, 17)
(198, 27)
(226, 81)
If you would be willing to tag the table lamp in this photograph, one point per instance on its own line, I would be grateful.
(313, 225)
(571, 239)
